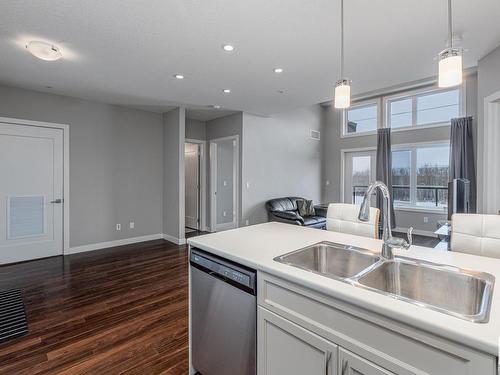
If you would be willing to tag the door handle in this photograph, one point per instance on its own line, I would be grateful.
(58, 200)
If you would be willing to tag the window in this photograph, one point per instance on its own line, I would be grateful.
(420, 176)
(361, 118)
(423, 108)
(359, 172)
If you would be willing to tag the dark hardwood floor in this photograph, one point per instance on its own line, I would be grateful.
(113, 311)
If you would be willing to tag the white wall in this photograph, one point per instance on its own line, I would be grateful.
(196, 129)
(488, 72)
(116, 162)
(280, 159)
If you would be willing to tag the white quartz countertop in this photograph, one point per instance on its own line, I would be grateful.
(256, 246)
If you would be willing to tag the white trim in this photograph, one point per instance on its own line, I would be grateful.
(427, 210)
(413, 94)
(175, 240)
(66, 200)
(203, 181)
(108, 244)
(358, 104)
(491, 154)
(213, 181)
(342, 166)
(416, 231)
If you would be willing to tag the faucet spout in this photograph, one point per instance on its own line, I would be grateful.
(389, 242)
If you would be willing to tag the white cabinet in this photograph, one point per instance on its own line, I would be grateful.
(286, 348)
(351, 364)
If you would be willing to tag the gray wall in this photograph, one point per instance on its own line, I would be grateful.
(196, 129)
(116, 162)
(220, 128)
(333, 144)
(488, 73)
(173, 173)
(280, 159)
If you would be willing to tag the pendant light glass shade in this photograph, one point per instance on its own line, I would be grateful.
(450, 67)
(342, 94)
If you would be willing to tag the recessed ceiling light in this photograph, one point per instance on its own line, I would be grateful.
(215, 106)
(44, 51)
(179, 76)
(228, 48)
(278, 70)
(226, 91)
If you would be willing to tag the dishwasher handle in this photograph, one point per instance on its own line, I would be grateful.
(237, 275)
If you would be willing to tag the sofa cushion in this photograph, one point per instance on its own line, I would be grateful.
(305, 207)
(289, 215)
(313, 219)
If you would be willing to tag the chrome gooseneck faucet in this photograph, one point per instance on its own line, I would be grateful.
(364, 215)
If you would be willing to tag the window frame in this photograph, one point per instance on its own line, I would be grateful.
(414, 94)
(412, 147)
(360, 104)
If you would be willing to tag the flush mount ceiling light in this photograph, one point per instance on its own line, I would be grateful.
(343, 85)
(450, 59)
(226, 91)
(228, 47)
(44, 51)
(179, 76)
(278, 70)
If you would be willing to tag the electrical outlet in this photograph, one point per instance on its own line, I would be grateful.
(225, 183)
(132, 225)
(118, 227)
(327, 183)
(426, 219)
(224, 214)
(247, 222)
(248, 185)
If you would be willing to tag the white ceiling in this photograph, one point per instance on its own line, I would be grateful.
(126, 51)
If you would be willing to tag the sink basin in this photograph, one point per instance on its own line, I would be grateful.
(331, 259)
(454, 291)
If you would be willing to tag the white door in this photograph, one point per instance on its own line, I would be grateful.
(224, 159)
(31, 192)
(359, 172)
(192, 185)
(286, 348)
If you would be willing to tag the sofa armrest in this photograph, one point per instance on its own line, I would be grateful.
(321, 209)
(288, 215)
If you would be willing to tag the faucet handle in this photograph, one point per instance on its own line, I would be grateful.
(409, 234)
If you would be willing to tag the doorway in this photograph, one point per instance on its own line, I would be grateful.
(194, 164)
(358, 173)
(224, 177)
(32, 213)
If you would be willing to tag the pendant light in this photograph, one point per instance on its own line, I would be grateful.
(343, 85)
(450, 60)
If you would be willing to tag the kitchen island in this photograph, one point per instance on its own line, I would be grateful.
(309, 323)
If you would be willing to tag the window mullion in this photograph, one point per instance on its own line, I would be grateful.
(414, 110)
(413, 177)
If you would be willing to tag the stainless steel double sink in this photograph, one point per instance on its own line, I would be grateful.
(462, 293)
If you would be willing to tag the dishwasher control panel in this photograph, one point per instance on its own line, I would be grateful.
(216, 267)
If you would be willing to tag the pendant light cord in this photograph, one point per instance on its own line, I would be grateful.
(450, 24)
(342, 39)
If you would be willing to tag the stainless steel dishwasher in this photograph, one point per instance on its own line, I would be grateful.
(224, 316)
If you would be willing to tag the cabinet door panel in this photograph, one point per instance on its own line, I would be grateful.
(286, 348)
(351, 364)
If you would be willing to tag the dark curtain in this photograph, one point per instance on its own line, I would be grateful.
(384, 169)
(462, 155)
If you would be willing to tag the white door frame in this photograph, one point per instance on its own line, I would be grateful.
(213, 181)
(203, 181)
(343, 153)
(491, 154)
(65, 130)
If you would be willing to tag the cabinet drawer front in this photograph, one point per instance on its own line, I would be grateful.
(392, 345)
(286, 348)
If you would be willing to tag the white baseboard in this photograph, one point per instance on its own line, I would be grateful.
(177, 241)
(417, 231)
(104, 245)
